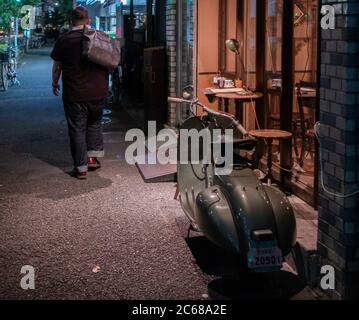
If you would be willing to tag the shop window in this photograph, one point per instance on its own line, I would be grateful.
(304, 104)
(217, 20)
(273, 61)
(246, 69)
(264, 61)
(303, 107)
(228, 30)
(185, 51)
(250, 39)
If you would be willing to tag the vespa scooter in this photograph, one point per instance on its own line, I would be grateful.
(237, 212)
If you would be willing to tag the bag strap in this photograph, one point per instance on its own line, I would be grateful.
(82, 46)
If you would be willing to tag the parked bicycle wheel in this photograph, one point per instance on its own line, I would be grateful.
(8, 69)
(12, 71)
(4, 83)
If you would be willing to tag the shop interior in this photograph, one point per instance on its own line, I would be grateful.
(244, 42)
(277, 64)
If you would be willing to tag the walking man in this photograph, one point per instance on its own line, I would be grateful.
(85, 86)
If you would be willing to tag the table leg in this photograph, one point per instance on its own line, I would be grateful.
(269, 161)
(239, 109)
(220, 104)
(303, 150)
(226, 105)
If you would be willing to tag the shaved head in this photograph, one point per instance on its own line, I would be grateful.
(79, 16)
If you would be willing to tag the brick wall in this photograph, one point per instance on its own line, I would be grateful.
(338, 238)
(171, 24)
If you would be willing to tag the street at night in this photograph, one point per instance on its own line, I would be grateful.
(112, 237)
(66, 228)
(163, 151)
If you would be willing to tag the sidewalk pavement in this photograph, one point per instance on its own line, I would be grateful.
(110, 237)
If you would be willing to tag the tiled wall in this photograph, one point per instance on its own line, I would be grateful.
(338, 238)
(171, 25)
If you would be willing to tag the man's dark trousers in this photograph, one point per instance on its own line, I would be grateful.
(85, 131)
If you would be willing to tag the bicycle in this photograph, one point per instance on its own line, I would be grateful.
(8, 69)
(37, 41)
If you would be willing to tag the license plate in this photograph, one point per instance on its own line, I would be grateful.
(265, 258)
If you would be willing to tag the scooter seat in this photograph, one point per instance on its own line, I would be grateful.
(239, 143)
(244, 144)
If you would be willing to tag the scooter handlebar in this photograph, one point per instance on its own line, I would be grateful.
(235, 122)
(178, 100)
(240, 128)
(212, 112)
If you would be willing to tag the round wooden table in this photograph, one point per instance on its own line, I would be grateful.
(239, 99)
(269, 135)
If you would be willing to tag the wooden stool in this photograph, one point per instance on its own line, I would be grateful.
(269, 135)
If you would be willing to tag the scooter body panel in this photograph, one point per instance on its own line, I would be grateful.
(250, 205)
(284, 218)
(215, 219)
(238, 205)
(236, 212)
(190, 176)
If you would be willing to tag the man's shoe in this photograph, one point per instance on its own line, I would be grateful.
(93, 164)
(81, 175)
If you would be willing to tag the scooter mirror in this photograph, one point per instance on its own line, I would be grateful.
(187, 93)
(233, 45)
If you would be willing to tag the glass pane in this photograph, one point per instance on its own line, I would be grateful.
(249, 59)
(187, 43)
(305, 71)
(140, 11)
(274, 17)
(208, 51)
(250, 40)
(273, 65)
(186, 76)
(230, 33)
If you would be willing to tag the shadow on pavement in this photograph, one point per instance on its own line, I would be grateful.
(235, 282)
(211, 259)
(280, 285)
(41, 179)
(52, 148)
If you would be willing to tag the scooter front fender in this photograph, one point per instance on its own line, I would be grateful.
(215, 219)
(250, 205)
(256, 206)
(285, 219)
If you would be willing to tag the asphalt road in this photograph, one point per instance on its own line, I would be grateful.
(110, 237)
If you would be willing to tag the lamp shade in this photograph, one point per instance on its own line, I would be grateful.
(233, 45)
